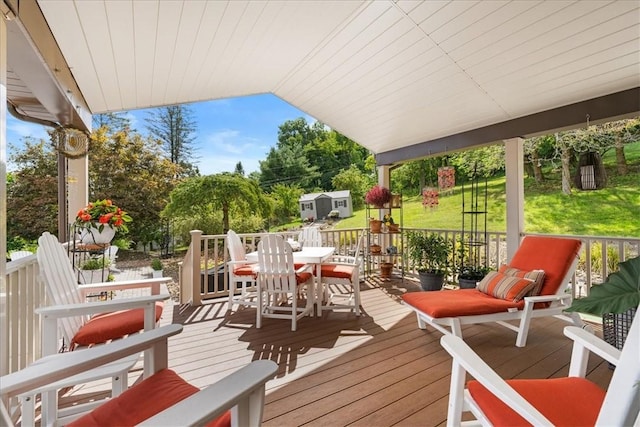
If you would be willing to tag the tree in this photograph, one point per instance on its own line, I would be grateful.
(131, 171)
(227, 192)
(114, 121)
(32, 197)
(239, 169)
(174, 127)
(286, 199)
(354, 180)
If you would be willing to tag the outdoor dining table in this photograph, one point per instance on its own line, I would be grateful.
(314, 255)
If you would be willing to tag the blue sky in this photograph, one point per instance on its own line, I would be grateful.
(228, 130)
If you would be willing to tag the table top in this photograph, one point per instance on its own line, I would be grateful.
(307, 255)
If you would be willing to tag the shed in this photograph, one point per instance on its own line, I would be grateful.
(318, 205)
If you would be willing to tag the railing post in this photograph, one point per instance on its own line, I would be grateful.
(196, 253)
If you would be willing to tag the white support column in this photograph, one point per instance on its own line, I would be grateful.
(514, 155)
(77, 186)
(384, 176)
(4, 367)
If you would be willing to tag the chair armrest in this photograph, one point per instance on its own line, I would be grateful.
(343, 259)
(71, 363)
(68, 310)
(154, 284)
(466, 358)
(245, 387)
(548, 298)
(585, 342)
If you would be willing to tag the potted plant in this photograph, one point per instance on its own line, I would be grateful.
(95, 270)
(616, 300)
(98, 222)
(156, 265)
(470, 275)
(431, 256)
(378, 196)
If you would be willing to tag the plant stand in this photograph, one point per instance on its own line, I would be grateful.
(615, 328)
(383, 252)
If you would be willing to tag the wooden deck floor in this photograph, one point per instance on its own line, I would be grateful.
(376, 370)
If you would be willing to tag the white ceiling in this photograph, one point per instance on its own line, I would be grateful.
(388, 74)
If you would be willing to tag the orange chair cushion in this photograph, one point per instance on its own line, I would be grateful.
(244, 270)
(108, 326)
(568, 401)
(338, 271)
(536, 275)
(462, 302)
(554, 255)
(510, 288)
(303, 277)
(144, 400)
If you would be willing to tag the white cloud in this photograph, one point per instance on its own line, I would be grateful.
(17, 129)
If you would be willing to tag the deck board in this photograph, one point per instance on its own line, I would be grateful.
(375, 370)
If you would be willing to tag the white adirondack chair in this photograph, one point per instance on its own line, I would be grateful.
(239, 396)
(342, 272)
(240, 271)
(279, 282)
(572, 400)
(77, 322)
(310, 236)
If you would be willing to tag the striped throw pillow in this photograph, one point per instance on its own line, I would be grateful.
(536, 275)
(508, 288)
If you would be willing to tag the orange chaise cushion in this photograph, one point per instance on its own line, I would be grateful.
(245, 270)
(144, 400)
(554, 255)
(108, 326)
(462, 302)
(568, 401)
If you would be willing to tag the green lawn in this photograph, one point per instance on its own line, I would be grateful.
(612, 211)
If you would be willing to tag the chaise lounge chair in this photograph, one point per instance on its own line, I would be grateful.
(544, 263)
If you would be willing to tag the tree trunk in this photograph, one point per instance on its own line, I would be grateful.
(566, 160)
(621, 160)
(537, 170)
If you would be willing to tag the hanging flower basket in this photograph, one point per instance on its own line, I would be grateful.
(446, 178)
(430, 197)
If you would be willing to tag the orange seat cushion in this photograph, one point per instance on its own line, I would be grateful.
(245, 270)
(462, 302)
(339, 271)
(568, 401)
(554, 255)
(303, 277)
(108, 326)
(144, 400)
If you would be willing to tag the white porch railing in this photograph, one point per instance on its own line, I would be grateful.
(599, 256)
(20, 332)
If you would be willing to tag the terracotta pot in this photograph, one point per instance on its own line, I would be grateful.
(375, 225)
(375, 249)
(393, 228)
(385, 269)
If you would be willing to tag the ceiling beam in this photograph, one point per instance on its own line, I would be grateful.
(605, 108)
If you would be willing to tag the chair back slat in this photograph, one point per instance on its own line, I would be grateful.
(57, 274)
(621, 405)
(275, 259)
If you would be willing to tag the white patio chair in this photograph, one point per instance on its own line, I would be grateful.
(571, 400)
(81, 324)
(240, 271)
(340, 273)
(310, 236)
(162, 399)
(279, 283)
